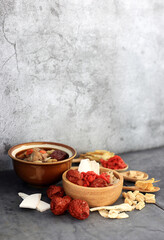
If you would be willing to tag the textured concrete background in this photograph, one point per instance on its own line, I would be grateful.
(83, 72)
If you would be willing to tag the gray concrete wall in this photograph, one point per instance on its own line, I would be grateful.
(85, 73)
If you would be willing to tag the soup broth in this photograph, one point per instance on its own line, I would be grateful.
(42, 155)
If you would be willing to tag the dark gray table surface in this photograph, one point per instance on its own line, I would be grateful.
(18, 224)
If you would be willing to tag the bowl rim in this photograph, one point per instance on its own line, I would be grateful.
(74, 152)
(93, 188)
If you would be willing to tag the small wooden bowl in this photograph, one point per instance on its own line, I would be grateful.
(41, 174)
(95, 197)
(77, 160)
(134, 179)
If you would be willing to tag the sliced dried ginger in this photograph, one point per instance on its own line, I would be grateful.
(146, 185)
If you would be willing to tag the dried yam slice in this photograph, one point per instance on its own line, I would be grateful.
(104, 213)
(124, 207)
(31, 201)
(122, 215)
(41, 207)
(113, 213)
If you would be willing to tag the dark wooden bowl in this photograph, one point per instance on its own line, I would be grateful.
(41, 173)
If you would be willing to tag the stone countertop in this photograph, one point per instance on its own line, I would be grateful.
(18, 224)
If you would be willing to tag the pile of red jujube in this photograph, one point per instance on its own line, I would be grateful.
(115, 162)
(60, 204)
(88, 179)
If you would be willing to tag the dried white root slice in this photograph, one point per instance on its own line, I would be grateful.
(122, 207)
(41, 207)
(23, 195)
(95, 166)
(87, 165)
(104, 213)
(113, 213)
(122, 215)
(31, 201)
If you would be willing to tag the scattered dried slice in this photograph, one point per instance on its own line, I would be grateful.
(124, 194)
(140, 197)
(129, 201)
(113, 213)
(135, 192)
(150, 198)
(134, 203)
(130, 195)
(23, 195)
(41, 207)
(104, 213)
(140, 175)
(31, 201)
(122, 215)
(140, 205)
(122, 207)
(132, 174)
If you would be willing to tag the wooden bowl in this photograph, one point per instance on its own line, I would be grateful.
(119, 170)
(134, 179)
(77, 160)
(41, 173)
(95, 197)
